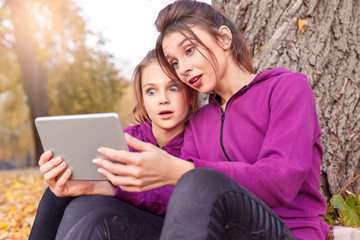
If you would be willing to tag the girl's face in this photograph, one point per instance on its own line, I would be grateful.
(193, 64)
(166, 101)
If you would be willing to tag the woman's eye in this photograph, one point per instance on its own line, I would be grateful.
(174, 88)
(174, 64)
(150, 92)
(189, 50)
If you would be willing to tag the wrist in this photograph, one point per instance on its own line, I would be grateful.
(104, 188)
(181, 167)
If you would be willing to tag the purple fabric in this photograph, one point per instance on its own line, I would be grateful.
(270, 134)
(154, 201)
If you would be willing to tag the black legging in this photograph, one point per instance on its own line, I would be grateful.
(48, 216)
(205, 204)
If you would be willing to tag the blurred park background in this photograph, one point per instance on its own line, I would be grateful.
(47, 68)
(53, 62)
(66, 57)
(56, 58)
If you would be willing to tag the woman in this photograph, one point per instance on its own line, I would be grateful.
(253, 153)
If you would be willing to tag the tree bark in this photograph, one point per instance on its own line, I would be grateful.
(35, 83)
(328, 52)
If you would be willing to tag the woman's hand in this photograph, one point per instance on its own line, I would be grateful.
(140, 171)
(57, 176)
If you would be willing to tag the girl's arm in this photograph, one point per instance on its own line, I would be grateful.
(61, 186)
(154, 201)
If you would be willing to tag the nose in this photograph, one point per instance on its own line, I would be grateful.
(164, 98)
(184, 68)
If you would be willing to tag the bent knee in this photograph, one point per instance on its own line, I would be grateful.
(204, 179)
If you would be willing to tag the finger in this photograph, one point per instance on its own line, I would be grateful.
(107, 174)
(137, 144)
(64, 178)
(47, 166)
(53, 173)
(120, 156)
(114, 168)
(121, 180)
(46, 156)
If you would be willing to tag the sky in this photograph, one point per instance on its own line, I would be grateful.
(126, 25)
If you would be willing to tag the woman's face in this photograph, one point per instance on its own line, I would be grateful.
(194, 65)
(166, 101)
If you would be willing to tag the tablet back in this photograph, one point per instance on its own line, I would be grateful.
(77, 137)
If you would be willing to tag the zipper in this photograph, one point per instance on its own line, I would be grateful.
(221, 133)
(222, 123)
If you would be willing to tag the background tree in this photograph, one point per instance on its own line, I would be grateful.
(50, 68)
(32, 76)
(15, 131)
(320, 38)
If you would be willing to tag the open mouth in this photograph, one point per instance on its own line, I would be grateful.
(194, 81)
(165, 112)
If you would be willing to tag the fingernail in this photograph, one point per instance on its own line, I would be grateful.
(95, 161)
(100, 150)
(58, 159)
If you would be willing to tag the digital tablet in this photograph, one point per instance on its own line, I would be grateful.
(76, 139)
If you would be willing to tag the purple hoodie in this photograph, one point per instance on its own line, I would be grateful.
(154, 201)
(267, 140)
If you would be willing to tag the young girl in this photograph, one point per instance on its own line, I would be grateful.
(162, 110)
(253, 153)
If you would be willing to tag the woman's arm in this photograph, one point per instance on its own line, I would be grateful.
(148, 169)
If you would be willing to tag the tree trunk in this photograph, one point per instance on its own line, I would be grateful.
(32, 76)
(320, 38)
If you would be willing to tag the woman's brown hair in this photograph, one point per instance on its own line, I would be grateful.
(139, 114)
(181, 15)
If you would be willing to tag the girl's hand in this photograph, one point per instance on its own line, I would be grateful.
(140, 171)
(61, 186)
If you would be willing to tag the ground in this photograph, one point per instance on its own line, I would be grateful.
(20, 193)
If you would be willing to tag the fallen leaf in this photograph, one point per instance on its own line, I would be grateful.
(301, 25)
(20, 193)
(258, 49)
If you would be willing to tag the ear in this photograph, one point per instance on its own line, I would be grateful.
(225, 38)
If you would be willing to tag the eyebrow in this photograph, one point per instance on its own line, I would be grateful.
(148, 84)
(168, 83)
(179, 44)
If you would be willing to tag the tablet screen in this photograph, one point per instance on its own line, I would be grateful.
(77, 137)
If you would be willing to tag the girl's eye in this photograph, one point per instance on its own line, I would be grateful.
(189, 50)
(174, 88)
(150, 92)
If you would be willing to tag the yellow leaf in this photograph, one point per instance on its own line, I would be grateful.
(258, 49)
(301, 25)
(16, 184)
(31, 208)
(3, 225)
(13, 209)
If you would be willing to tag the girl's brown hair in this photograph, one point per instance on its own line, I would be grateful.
(181, 15)
(139, 114)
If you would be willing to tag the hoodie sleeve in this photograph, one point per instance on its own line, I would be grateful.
(154, 201)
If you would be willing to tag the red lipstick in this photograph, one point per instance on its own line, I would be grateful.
(195, 81)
